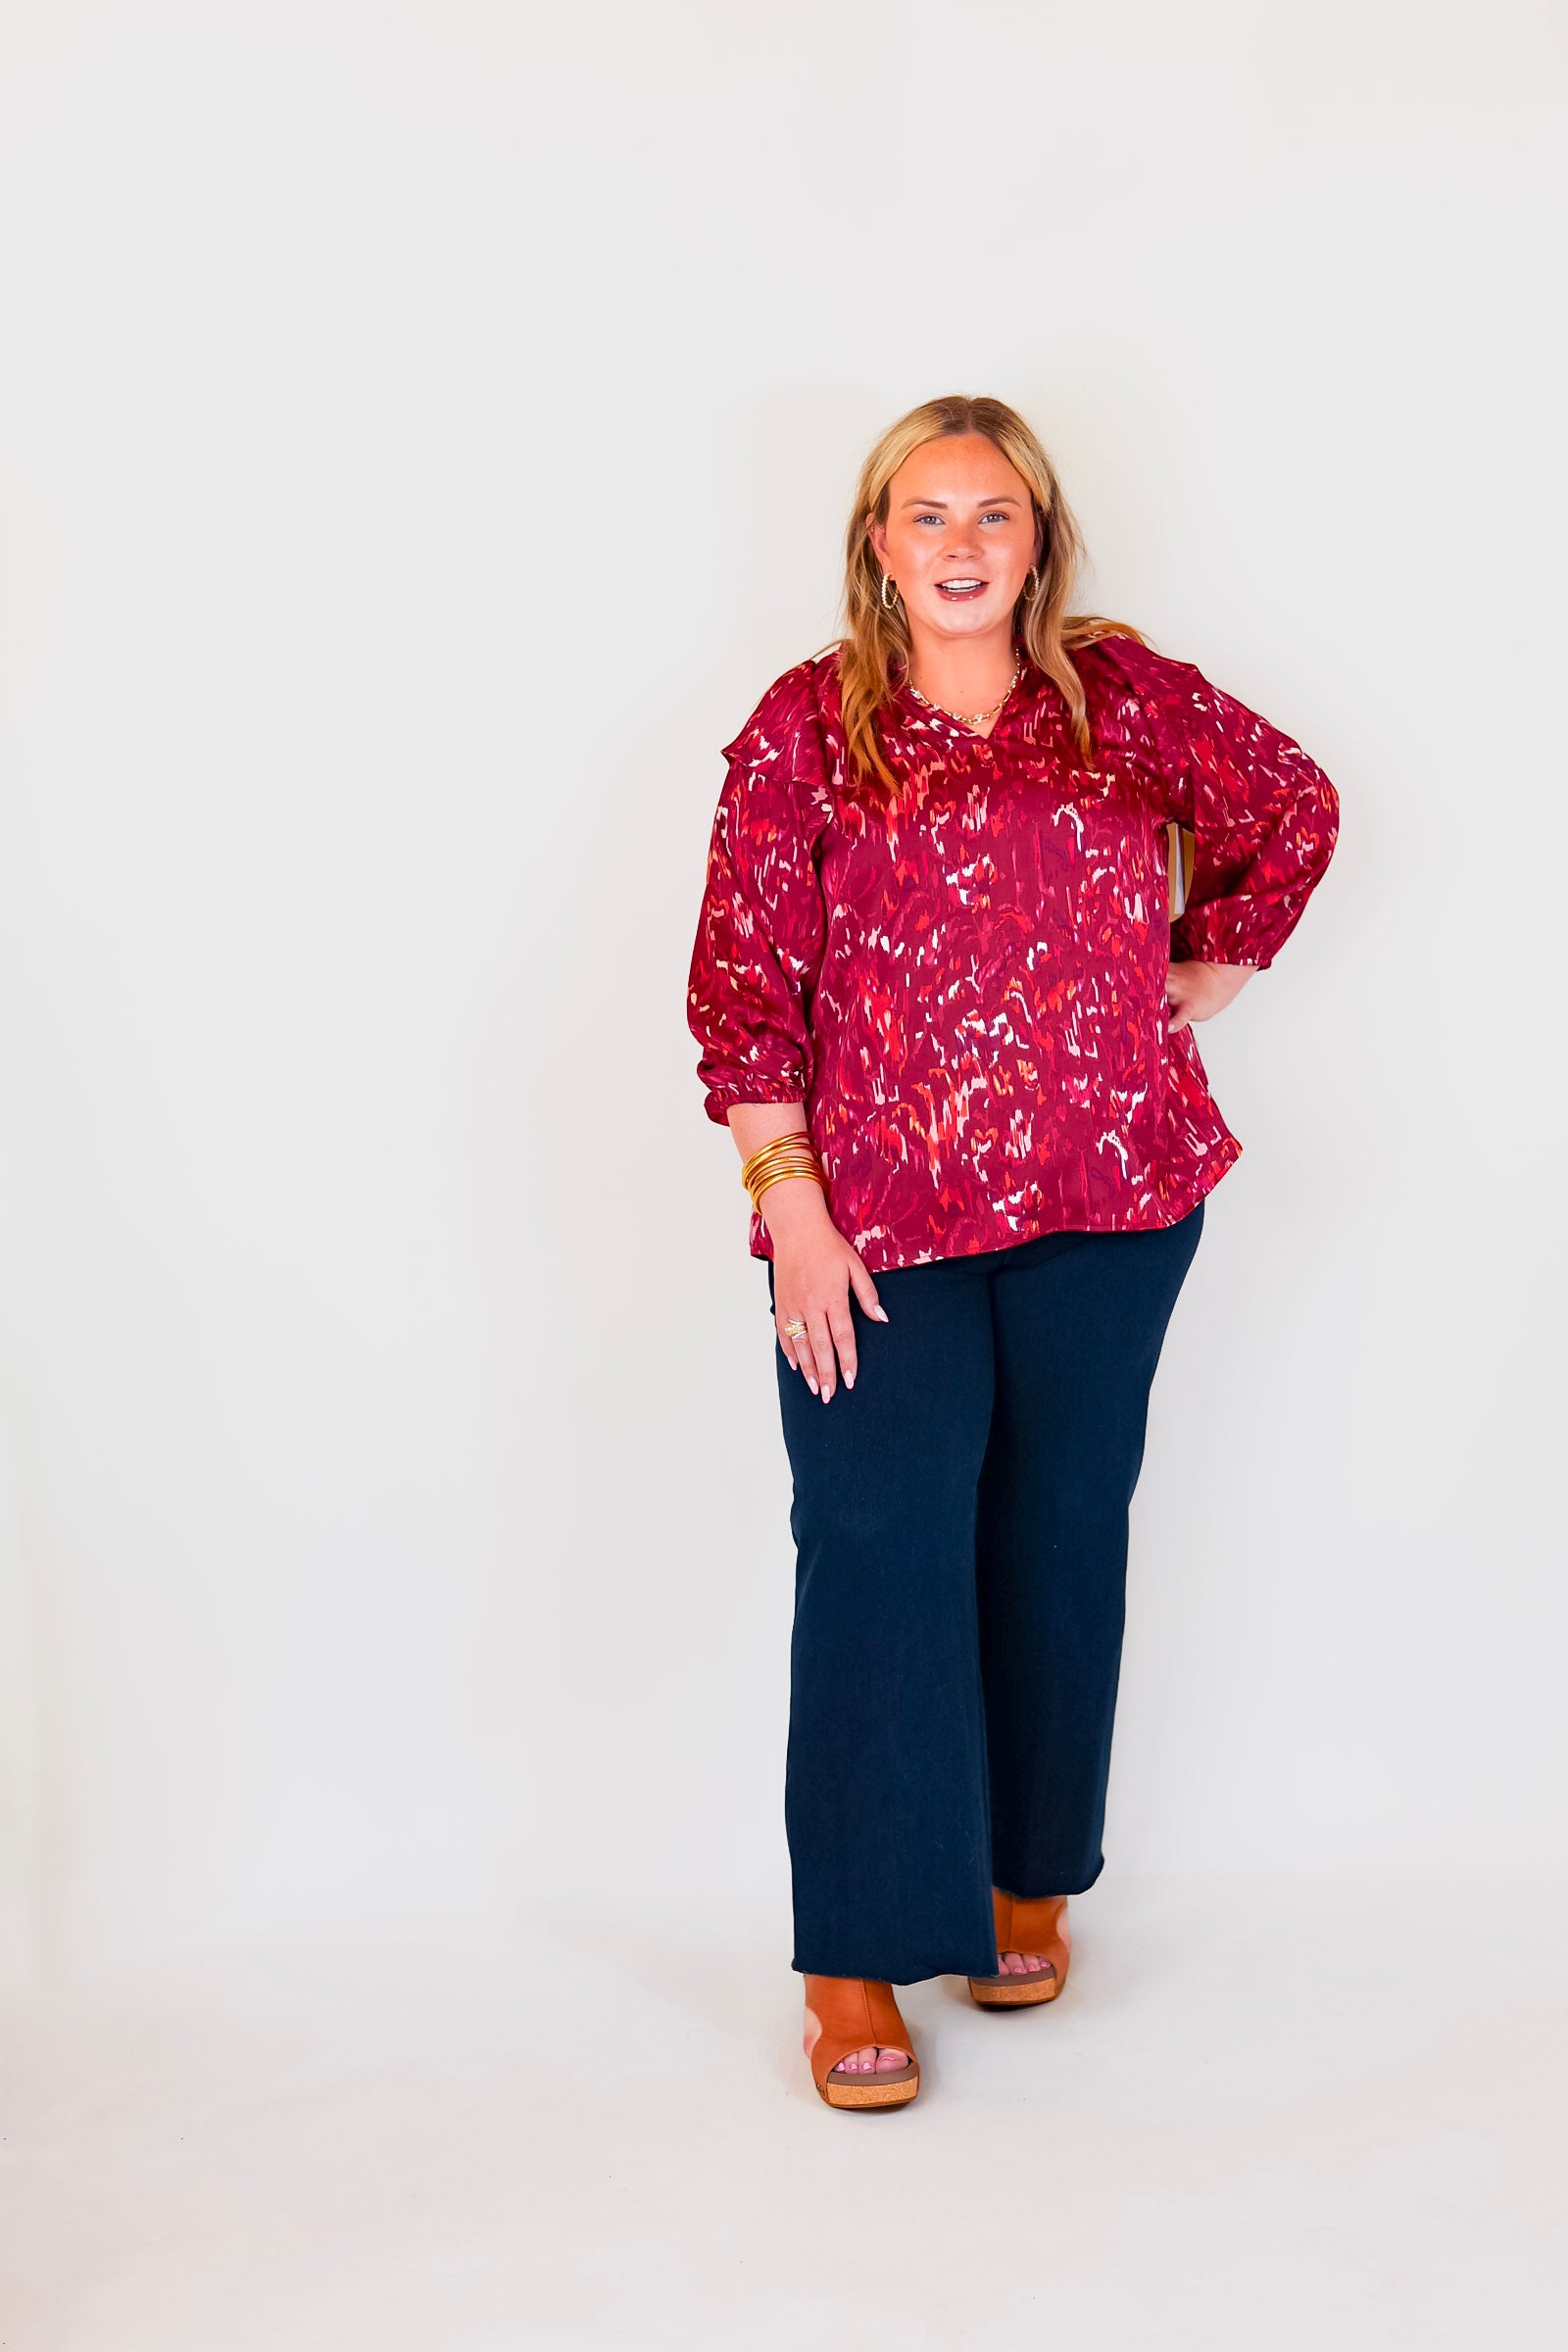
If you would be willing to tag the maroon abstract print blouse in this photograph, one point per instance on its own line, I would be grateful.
(966, 988)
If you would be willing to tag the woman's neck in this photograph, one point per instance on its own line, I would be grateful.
(963, 673)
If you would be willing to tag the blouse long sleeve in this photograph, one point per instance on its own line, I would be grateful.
(762, 926)
(1263, 816)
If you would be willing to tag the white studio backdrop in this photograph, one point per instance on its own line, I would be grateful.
(425, 431)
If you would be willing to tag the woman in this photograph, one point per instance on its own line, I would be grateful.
(946, 1015)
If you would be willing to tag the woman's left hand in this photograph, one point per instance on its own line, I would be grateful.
(1196, 991)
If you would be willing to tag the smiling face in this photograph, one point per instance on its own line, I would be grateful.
(960, 538)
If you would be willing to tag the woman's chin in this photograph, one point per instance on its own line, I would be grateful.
(971, 619)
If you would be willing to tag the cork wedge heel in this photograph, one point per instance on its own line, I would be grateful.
(1036, 1925)
(850, 2013)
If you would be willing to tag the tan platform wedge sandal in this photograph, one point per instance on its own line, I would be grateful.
(1039, 1925)
(850, 2013)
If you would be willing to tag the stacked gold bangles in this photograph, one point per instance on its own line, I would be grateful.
(786, 1155)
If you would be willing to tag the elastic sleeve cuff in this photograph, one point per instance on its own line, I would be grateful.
(749, 1086)
(1212, 935)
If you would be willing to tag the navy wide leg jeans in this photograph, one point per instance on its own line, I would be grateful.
(960, 1526)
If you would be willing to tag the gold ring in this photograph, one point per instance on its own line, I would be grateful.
(793, 1331)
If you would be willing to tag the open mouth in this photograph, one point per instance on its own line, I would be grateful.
(962, 592)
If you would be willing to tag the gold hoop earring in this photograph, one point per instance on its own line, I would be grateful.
(887, 602)
(1031, 592)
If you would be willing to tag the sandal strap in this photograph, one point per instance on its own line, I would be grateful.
(855, 2012)
(1033, 1924)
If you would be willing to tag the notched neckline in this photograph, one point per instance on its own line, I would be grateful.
(1035, 691)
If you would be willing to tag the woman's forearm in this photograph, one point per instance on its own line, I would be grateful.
(794, 1203)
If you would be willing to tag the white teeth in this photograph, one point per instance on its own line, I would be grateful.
(961, 583)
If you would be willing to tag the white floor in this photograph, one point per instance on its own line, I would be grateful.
(1269, 2115)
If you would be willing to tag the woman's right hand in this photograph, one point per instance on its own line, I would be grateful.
(814, 1270)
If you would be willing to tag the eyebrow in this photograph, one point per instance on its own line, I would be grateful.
(1006, 499)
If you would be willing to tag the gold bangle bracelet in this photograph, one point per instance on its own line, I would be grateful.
(769, 1160)
(778, 1160)
(796, 1140)
(783, 1176)
(785, 1167)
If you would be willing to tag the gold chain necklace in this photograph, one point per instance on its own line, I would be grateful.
(976, 718)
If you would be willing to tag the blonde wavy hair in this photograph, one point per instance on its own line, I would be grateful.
(877, 640)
